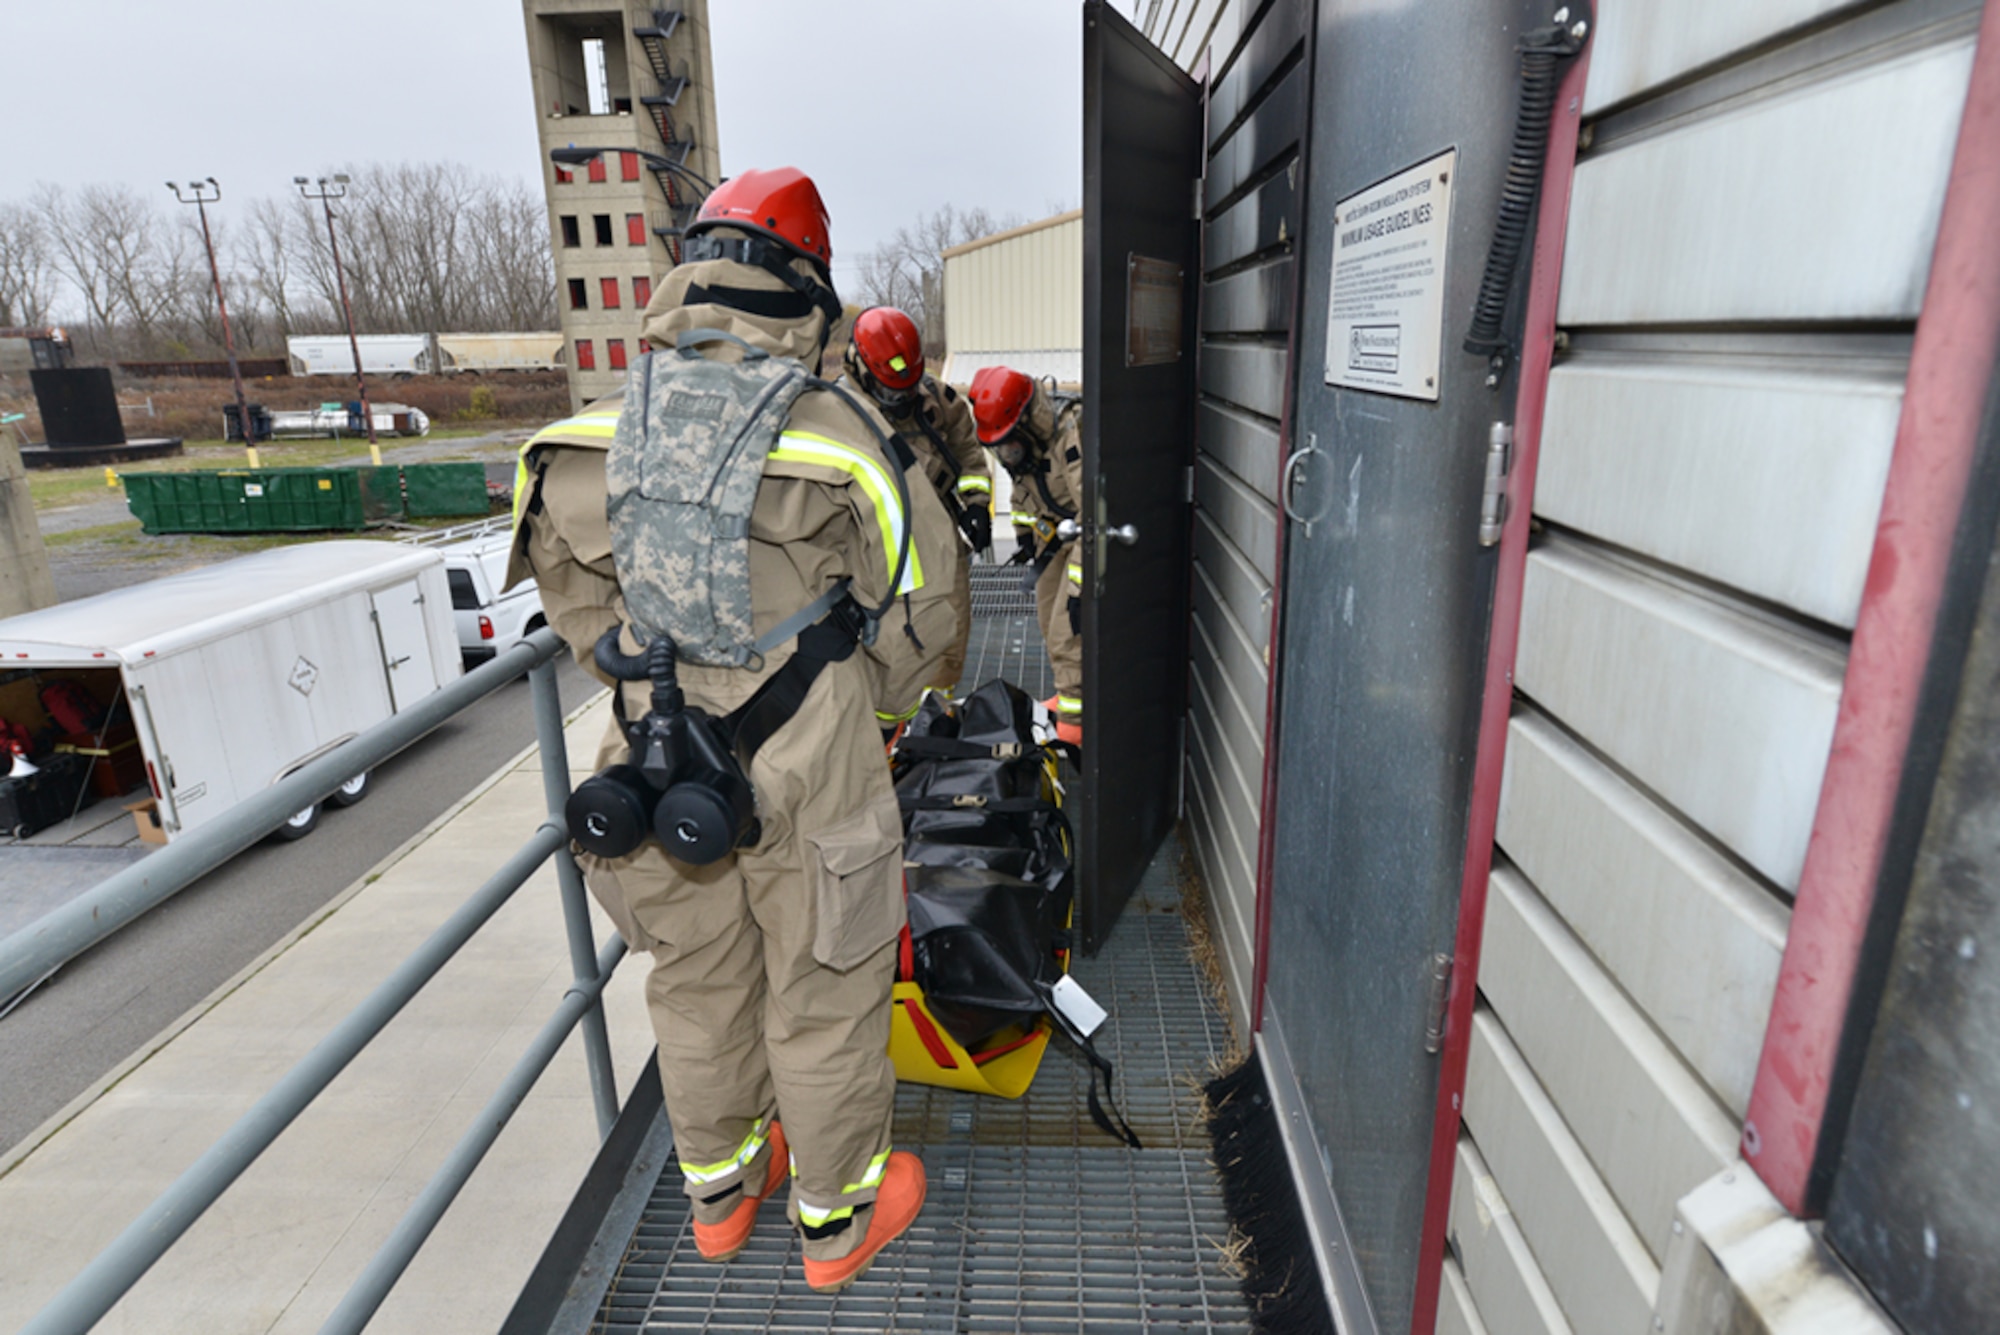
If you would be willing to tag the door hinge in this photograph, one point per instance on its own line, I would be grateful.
(1187, 485)
(1493, 496)
(1440, 996)
(1196, 202)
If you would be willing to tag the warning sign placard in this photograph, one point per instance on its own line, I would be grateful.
(1385, 320)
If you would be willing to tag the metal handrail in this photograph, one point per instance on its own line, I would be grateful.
(62, 934)
(112, 1273)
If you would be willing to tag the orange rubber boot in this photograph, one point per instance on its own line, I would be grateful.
(721, 1241)
(897, 1203)
(1066, 730)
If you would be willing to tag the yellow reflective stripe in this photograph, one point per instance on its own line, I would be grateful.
(971, 483)
(871, 1179)
(802, 447)
(603, 425)
(903, 717)
(1075, 572)
(1069, 704)
(746, 1154)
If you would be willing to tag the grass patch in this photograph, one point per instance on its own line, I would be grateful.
(124, 534)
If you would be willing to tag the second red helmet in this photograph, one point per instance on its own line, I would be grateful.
(999, 396)
(889, 346)
(781, 202)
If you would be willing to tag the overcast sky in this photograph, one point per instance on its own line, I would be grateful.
(895, 107)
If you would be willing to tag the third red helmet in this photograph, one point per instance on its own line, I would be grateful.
(889, 346)
(999, 396)
(781, 202)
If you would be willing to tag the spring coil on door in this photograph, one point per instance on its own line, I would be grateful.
(1542, 52)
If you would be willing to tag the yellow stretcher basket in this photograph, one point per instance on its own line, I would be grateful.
(925, 1054)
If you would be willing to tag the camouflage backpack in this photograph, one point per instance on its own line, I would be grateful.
(682, 477)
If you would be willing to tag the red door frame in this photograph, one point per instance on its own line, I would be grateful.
(1951, 367)
(1538, 341)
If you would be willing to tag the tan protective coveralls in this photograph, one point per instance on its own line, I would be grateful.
(1055, 463)
(772, 968)
(961, 473)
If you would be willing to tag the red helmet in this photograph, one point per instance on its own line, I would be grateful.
(999, 396)
(782, 203)
(889, 346)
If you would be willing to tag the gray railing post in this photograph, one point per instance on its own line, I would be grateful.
(569, 880)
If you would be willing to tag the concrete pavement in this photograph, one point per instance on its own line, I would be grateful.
(281, 1248)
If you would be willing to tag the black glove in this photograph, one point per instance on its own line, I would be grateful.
(1024, 550)
(977, 524)
(1076, 616)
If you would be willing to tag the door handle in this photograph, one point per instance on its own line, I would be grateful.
(1125, 535)
(1288, 483)
(395, 663)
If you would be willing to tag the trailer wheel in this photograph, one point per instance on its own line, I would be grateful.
(299, 826)
(350, 792)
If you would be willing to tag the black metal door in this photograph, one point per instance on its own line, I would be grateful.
(1142, 120)
(1386, 606)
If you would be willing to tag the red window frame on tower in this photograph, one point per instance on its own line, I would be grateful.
(614, 350)
(628, 166)
(642, 291)
(564, 176)
(607, 289)
(586, 355)
(635, 229)
(597, 169)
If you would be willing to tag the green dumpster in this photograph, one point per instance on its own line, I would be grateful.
(437, 490)
(238, 500)
(381, 492)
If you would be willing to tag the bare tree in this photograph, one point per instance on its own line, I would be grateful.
(907, 270)
(27, 269)
(266, 254)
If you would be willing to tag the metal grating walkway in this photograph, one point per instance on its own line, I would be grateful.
(1035, 1220)
(1005, 640)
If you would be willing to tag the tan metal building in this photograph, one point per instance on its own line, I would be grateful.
(1016, 299)
(630, 77)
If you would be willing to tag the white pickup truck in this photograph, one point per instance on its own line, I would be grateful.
(475, 561)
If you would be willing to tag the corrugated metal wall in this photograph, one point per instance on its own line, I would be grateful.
(1749, 237)
(1250, 207)
(1017, 301)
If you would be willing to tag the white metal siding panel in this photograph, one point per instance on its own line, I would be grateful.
(1249, 376)
(1229, 644)
(1021, 294)
(1820, 203)
(1765, 480)
(1457, 1313)
(1249, 521)
(1693, 940)
(1510, 1293)
(1242, 588)
(1641, 44)
(1651, 1128)
(1727, 716)
(1596, 1265)
(1247, 446)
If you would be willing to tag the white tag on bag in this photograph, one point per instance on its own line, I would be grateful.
(1077, 1005)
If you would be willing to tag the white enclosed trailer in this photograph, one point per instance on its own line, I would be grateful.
(238, 673)
(381, 354)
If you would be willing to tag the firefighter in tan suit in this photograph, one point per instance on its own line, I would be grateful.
(1040, 444)
(885, 358)
(772, 967)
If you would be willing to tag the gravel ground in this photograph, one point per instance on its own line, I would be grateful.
(95, 544)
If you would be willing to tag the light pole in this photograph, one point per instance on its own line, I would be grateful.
(326, 194)
(201, 194)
